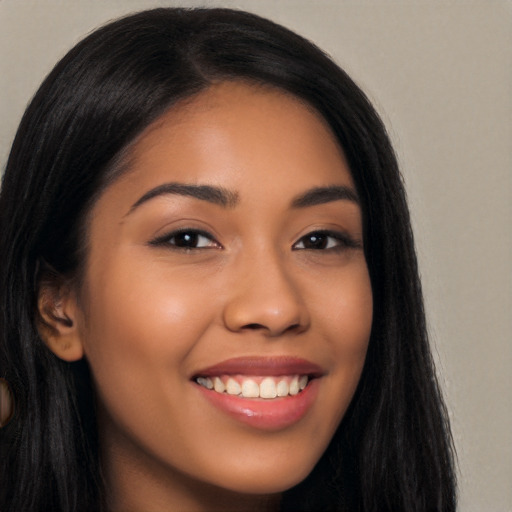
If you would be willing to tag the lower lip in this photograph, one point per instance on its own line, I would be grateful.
(274, 414)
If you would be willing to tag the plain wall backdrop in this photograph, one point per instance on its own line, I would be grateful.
(440, 74)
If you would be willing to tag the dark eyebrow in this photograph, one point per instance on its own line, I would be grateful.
(215, 195)
(321, 195)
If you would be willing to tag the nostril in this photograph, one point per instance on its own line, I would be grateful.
(254, 326)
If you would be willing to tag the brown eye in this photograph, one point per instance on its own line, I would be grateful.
(325, 241)
(315, 241)
(187, 239)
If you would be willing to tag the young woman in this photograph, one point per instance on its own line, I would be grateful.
(209, 291)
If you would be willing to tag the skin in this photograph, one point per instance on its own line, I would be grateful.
(149, 316)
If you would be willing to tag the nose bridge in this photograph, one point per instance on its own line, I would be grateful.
(265, 295)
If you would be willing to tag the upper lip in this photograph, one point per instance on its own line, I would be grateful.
(263, 366)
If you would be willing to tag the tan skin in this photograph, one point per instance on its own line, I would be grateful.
(265, 276)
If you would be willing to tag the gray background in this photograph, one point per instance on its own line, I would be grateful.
(440, 74)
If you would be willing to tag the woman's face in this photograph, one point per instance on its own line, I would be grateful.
(230, 255)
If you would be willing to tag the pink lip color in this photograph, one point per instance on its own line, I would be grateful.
(272, 415)
(264, 366)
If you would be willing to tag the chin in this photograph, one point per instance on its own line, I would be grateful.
(274, 480)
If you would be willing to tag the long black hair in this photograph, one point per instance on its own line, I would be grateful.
(393, 449)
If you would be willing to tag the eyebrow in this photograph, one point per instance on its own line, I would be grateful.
(215, 195)
(228, 199)
(321, 195)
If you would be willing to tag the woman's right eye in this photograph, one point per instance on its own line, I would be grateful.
(186, 239)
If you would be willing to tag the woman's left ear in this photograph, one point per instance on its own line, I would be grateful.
(57, 320)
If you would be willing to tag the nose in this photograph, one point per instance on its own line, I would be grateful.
(265, 297)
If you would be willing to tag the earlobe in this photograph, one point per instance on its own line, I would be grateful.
(57, 321)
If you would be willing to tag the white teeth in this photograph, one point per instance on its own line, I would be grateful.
(269, 387)
(232, 387)
(282, 388)
(294, 386)
(218, 385)
(250, 389)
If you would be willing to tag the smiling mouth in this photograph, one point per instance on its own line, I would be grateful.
(259, 378)
(265, 393)
(251, 387)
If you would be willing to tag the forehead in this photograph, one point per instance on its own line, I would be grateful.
(261, 144)
(233, 132)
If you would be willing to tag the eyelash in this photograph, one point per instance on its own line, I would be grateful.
(341, 240)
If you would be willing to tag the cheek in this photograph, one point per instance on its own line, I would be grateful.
(140, 327)
(146, 302)
(344, 313)
(343, 307)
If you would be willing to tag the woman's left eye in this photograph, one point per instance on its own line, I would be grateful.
(187, 239)
(325, 240)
